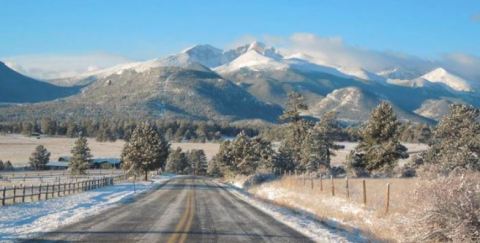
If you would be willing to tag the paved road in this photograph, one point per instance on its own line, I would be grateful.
(188, 209)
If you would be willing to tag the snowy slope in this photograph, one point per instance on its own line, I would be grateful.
(440, 75)
(414, 83)
(361, 73)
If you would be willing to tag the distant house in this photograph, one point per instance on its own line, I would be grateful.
(57, 165)
(96, 163)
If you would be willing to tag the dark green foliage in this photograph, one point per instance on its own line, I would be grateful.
(415, 133)
(456, 140)
(318, 145)
(244, 156)
(177, 162)
(379, 148)
(145, 151)
(296, 131)
(197, 161)
(294, 106)
(39, 158)
(48, 126)
(81, 157)
(112, 129)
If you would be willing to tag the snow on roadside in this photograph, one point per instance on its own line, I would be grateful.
(303, 222)
(28, 219)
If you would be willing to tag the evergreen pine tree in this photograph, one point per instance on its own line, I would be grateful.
(198, 161)
(319, 143)
(296, 130)
(244, 155)
(177, 162)
(39, 158)
(456, 140)
(81, 157)
(379, 148)
(145, 151)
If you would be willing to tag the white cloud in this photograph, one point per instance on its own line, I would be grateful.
(61, 66)
(468, 66)
(334, 51)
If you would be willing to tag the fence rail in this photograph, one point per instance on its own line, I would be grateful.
(20, 194)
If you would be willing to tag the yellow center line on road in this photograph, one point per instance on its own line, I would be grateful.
(190, 219)
(185, 223)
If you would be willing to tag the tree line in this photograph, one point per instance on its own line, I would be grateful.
(113, 129)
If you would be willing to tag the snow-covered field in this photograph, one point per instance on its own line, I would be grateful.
(28, 219)
(17, 148)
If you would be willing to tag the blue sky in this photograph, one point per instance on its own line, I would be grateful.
(146, 29)
(57, 38)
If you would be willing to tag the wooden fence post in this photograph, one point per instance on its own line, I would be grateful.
(46, 193)
(14, 193)
(31, 194)
(346, 187)
(3, 195)
(40, 192)
(321, 183)
(58, 192)
(364, 192)
(333, 185)
(311, 182)
(387, 199)
(23, 193)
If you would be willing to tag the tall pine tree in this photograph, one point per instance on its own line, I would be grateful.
(145, 151)
(318, 144)
(456, 140)
(198, 161)
(39, 158)
(296, 131)
(81, 157)
(379, 148)
(177, 162)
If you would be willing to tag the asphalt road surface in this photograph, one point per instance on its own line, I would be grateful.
(187, 209)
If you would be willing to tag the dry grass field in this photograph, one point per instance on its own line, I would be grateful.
(348, 209)
(17, 148)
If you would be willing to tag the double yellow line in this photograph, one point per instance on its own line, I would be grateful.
(185, 223)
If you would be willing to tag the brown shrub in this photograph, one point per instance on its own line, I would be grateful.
(448, 209)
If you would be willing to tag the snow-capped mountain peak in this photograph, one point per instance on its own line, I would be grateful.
(202, 48)
(253, 59)
(440, 75)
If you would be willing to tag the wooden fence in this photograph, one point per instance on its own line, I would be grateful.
(22, 193)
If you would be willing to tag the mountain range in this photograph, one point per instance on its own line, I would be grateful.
(250, 82)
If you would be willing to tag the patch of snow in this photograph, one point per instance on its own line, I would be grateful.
(361, 73)
(304, 222)
(440, 75)
(28, 219)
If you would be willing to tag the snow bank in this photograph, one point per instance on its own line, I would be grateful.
(302, 221)
(28, 219)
